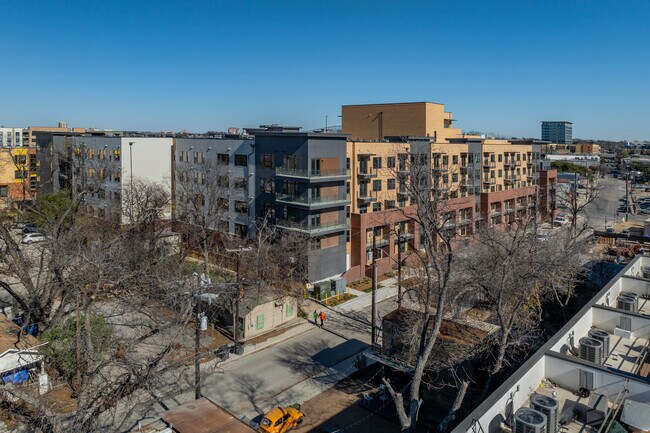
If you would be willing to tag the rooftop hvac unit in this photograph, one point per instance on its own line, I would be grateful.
(529, 421)
(549, 407)
(645, 270)
(626, 303)
(591, 350)
(629, 295)
(601, 336)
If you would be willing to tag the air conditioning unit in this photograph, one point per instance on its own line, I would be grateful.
(549, 407)
(601, 336)
(645, 271)
(591, 350)
(529, 421)
(626, 303)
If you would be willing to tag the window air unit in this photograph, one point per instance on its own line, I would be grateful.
(529, 421)
(601, 336)
(591, 350)
(549, 407)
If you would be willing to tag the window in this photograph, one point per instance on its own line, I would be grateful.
(259, 324)
(376, 207)
(116, 155)
(222, 158)
(500, 173)
(117, 176)
(267, 160)
(199, 178)
(91, 153)
(347, 187)
(242, 231)
(390, 184)
(20, 159)
(376, 162)
(390, 204)
(199, 158)
(268, 210)
(454, 159)
(241, 206)
(454, 177)
(267, 186)
(314, 244)
(241, 160)
(101, 154)
(390, 162)
(21, 174)
(363, 208)
(500, 157)
(4, 191)
(288, 308)
(223, 181)
(376, 185)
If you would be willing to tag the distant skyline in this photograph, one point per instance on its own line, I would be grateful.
(501, 66)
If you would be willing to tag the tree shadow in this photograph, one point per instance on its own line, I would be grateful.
(251, 388)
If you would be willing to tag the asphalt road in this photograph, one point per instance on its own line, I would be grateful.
(255, 380)
(604, 208)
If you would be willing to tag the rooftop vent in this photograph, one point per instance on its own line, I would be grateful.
(529, 421)
(549, 407)
(591, 350)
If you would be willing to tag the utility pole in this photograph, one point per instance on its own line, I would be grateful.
(627, 195)
(78, 345)
(399, 269)
(239, 296)
(197, 342)
(373, 337)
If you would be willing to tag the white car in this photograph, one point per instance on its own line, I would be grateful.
(625, 232)
(30, 238)
(559, 221)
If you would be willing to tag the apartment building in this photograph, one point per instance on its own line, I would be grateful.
(17, 167)
(404, 119)
(214, 183)
(473, 180)
(300, 185)
(594, 370)
(555, 131)
(103, 168)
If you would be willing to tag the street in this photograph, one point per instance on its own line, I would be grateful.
(604, 208)
(251, 384)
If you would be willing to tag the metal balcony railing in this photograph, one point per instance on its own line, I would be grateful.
(306, 200)
(311, 174)
(313, 229)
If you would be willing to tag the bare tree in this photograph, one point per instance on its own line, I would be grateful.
(576, 205)
(436, 221)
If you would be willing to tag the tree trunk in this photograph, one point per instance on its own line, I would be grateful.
(460, 396)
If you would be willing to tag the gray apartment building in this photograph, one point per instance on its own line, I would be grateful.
(214, 183)
(301, 185)
(557, 131)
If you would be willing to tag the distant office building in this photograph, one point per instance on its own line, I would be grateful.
(13, 137)
(557, 131)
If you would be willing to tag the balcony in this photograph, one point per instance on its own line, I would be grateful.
(464, 169)
(313, 175)
(440, 168)
(313, 229)
(366, 197)
(512, 179)
(313, 202)
(403, 193)
(379, 242)
(490, 181)
(465, 184)
(489, 164)
(508, 210)
(367, 174)
(495, 213)
(466, 222)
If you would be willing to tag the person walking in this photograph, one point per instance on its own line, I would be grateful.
(315, 318)
(321, 316)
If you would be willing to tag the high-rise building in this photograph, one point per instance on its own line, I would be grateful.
(557, 131)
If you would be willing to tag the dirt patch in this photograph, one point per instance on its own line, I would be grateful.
(338, 408)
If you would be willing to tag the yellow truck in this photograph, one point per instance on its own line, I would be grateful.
(282, 419)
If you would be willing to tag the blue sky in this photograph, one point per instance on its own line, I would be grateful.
(500, 66)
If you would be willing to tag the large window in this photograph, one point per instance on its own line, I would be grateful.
(222, 158)
(241, 206)
(376, 162)
(390, 184)
(267, 160)
(376, 185)
(4, 190)
(390, 162)
(267, 185)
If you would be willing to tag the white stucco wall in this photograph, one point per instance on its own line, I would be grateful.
(151, 160)
(608, 321)
(577, 331)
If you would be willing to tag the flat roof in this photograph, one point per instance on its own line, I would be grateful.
(204, 416)
(393, 103)
(556, 121)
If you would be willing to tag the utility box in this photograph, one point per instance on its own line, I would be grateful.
(646, 227)
(337, 285)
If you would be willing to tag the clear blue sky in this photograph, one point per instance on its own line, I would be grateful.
(500, 66)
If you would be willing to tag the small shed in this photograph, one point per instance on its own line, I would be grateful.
(264, 312)
(18, 353)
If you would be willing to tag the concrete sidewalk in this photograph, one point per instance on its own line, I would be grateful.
(364, 300)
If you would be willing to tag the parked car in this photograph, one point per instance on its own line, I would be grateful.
(559, 221)
(30, 228)
(282, 419)
(610, 230)
(625, 232)
(30, 238)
